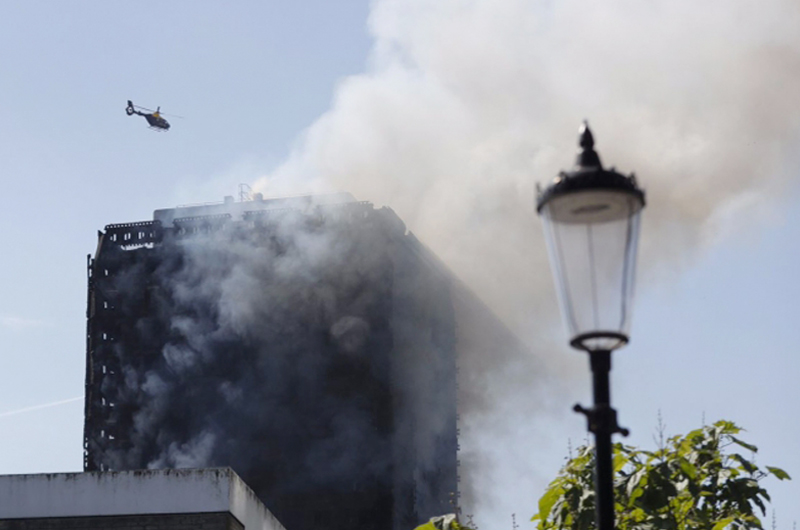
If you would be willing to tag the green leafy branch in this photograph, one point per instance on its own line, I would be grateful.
(697, 481)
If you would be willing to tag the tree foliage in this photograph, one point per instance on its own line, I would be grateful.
(443, 522)
(697, 481)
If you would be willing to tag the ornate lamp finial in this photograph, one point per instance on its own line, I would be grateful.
(587, 156)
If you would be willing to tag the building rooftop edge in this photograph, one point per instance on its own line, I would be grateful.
(257, 202)
(138, 492)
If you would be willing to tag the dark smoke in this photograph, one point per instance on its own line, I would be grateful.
(314, 352)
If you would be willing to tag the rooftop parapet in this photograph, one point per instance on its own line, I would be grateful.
(145, 492)
(236, 209)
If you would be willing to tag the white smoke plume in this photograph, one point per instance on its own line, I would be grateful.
(466, 104)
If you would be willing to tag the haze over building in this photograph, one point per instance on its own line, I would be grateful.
(309, 343)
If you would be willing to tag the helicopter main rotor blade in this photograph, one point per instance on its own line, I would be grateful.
(157, 110)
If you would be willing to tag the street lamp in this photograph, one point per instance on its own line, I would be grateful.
(591, 220)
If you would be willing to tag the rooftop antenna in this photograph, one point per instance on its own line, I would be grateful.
(245, 193)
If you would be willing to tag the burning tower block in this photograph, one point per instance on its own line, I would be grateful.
(308, 343)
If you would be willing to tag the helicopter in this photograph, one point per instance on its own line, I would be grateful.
(153, 117)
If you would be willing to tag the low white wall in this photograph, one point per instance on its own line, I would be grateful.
(133, 493)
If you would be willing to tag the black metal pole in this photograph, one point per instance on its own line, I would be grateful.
(604, 479)
(603, 423)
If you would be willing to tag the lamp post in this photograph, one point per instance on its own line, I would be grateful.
(591, 220)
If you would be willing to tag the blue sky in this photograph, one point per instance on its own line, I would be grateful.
(722, 340)
(448, 113)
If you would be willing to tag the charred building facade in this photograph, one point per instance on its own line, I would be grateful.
(308, 343)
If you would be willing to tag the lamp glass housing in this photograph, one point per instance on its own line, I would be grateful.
(592, 235)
